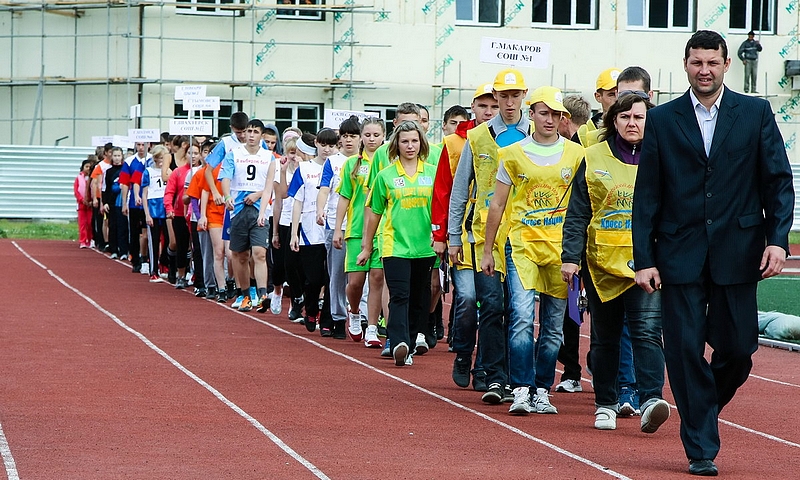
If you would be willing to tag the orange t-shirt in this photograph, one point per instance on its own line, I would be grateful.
(214, 213)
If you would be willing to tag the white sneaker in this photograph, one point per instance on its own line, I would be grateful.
(145, 270)
(654, 416)
(371, 339)
(420, 346)
(541, 402)
(605, 419)
(569, 386)
(275, 304)
(522, 402)
(355, 326)
(400, 354)
(123, 257)
(113, 256)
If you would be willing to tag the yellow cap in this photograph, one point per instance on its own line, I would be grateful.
(485, 89)
(608, 79)
(550, 96)
(509, 79)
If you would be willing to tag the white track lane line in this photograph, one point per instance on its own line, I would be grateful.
(8, 459)
(261, 428)
(482, 415)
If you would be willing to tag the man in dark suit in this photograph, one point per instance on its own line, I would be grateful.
(714, 205)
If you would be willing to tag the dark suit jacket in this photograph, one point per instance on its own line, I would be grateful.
(722, 209)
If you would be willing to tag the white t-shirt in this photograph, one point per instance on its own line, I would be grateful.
(288, 203)
(304, 189)
(332, 177)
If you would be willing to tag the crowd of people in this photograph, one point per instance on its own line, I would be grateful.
(518, 206)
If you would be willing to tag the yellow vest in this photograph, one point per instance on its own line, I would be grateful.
(454, 144)
(583, 130)
(485, 162)
(609, 244)
(536, 209)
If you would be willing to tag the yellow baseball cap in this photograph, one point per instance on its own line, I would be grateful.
(509, 79)
(485, 89)
(550, 96)
(608, 79)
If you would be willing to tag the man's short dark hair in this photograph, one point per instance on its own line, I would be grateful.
(707, 40)
(635, 74)
(254, 123)
(455, 111)
(423, 107)
(239, 121)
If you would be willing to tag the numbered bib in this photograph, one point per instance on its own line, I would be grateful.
(251, 170)
(157, 185)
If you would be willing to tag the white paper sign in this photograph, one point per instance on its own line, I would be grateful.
(122, 142)
(144, 135)
(136, 111)
(190, 127)
(100, 140)
(518, 53)
(185, 91)
(195, 104)
(334, 118)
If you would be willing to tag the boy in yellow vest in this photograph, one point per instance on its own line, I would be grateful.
(478, 167)
(606, 95)
(533, 186)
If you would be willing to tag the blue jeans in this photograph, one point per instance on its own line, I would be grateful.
(524, 369)
(491, 329)
(643, 312)
(627, 375)
(465, 314)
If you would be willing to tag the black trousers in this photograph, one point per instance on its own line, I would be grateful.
(726, 318)
(154, 235)
(568, 354)
(182, 240)
(287, 264)
(135, 224)
(409, 283)
(314, 259)
(197, 258)
(97, 228)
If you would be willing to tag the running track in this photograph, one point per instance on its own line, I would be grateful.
(103, 375)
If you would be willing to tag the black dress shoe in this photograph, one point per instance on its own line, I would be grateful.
(705, 468)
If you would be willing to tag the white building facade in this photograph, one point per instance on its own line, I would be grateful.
(288, 65)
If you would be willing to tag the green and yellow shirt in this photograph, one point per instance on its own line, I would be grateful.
(355, 190)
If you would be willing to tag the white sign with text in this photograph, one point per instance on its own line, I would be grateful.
(100, 140)
(186, 91)
(144, 135)
(195, 104)
(181, 126)
(334, 118)
(517, 53)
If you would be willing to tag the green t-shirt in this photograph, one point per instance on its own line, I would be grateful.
(381, 160)
(355, 190)
(405, 203)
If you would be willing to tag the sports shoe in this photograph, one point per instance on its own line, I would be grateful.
(400, 352)
(508, 394)
(605, 419)
(522, 402)
(246, 304)
(628, 402)
(297, 309)
(310, 323)
(211, 293)
(703, 468)
(479, 381)
(156, 279)
(654, 415)
(200, 292)
(461, 367)
(230, 287)
(420, 346)
(145, 269)
(222, 296)
(381, 326)
(354, 329)
(494, 395)
(123, 257)
(113, 256)
(263, 303)
(275, 304)
(569, 386)
(253, 295)
(541, 402)
(338, 330)
(387, 350)
(371, 339)
(325, 331)
(180, 283)
(238, 302)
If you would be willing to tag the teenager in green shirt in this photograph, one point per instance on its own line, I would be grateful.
(402, 192)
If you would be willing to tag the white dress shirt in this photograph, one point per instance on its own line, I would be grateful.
(706, 119)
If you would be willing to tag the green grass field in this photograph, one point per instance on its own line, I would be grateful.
(780, 294)
(27, 229)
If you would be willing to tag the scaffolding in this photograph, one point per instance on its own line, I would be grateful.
(128, 29)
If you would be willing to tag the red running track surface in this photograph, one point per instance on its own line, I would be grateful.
(108, 376)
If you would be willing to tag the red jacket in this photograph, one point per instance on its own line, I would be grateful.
(173, 194)
(442, 186)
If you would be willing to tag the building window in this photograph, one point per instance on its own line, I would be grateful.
(208, 7)
(755, 15)
(486, 13)
(386, 112)
(565, 13)
(305, 116)
(661, 14)
(222, 118)
(303, 13)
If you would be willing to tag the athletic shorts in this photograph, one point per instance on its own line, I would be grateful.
(352, 249)
(226, 225)
(245, 232)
